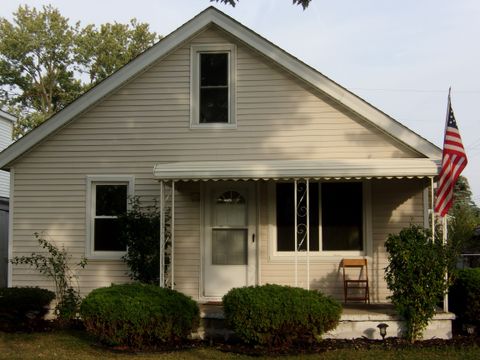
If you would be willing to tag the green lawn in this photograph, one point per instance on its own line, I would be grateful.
(76, 345)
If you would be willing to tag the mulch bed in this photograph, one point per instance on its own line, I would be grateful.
(336, 344)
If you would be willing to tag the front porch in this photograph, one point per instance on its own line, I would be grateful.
(357, 321)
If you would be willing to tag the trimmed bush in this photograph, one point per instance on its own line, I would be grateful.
(23, 308)
(275, 315)
(465, 296)
(139, 315)
(416, 276)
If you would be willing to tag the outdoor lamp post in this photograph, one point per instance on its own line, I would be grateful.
(383, 330)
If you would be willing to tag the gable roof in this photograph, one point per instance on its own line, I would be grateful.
(213, 16)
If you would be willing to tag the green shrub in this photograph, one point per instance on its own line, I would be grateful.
(139, 315)
(416, 276)
(23, 308)
(465, 296)
(139, 232)
(55, 263)
(275, 315)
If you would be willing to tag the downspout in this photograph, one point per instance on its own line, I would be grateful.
(172, 234)
(296, 232)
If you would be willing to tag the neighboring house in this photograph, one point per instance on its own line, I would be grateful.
(232, 123)
(6, 128)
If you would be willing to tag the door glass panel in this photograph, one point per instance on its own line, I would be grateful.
(229, 247)
(230, 209)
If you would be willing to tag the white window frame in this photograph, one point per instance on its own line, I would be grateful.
(92, 182)
(195, 52)
(275, 255)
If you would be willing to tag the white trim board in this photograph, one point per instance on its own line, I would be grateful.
(213, 16)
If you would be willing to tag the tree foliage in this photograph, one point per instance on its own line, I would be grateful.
(45, 62)
(464, 218)
(303, 3)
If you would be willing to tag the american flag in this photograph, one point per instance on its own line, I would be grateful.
(454, 160)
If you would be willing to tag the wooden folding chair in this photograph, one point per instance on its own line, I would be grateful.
(360, 284)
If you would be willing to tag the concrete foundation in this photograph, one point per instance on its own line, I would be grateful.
(357, 321)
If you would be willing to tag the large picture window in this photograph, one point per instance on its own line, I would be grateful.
(336, 216)
(213, 86)
(108, 199)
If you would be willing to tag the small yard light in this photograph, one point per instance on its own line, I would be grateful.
(470, 329)
(383, 330)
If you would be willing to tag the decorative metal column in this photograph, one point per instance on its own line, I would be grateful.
(167, 233)
(162, 234)
(302, 224)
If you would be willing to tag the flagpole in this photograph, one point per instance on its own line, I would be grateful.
(433, 208)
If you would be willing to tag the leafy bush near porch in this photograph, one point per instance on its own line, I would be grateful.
(465, 296)
(275, 315)
(416, 276)
(139, 315)
(23, 308)
(139, 230)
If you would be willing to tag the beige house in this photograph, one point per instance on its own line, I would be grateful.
(245, 135)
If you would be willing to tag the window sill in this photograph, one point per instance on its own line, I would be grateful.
(316, 257)
(114, 255)
(210, 126)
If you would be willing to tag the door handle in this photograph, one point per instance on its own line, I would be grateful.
(253, 238)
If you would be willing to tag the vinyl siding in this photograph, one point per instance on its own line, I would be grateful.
(5, 141)
(147, 121)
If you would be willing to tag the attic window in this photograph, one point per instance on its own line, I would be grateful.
(212, 86)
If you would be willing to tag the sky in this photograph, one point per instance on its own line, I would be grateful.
(400, 56)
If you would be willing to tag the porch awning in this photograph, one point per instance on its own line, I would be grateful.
(296, 169)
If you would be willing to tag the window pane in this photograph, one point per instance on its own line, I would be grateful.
(106, 235)
(111, 200)
(230, 209)
(342, 216)
(213, 69)
(214, 105)
(229, 247)
(286, 219)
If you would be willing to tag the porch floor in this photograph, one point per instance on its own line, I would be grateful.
(357, 320)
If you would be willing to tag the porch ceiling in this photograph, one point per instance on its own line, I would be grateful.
(295, 169)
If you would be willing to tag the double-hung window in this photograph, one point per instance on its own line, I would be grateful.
(336, 217)
(107, 199)
(213, 86)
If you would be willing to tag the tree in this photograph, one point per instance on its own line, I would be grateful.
(45, 63)
(103, 50)
(37, 65)
(304, 3)
(464, 218)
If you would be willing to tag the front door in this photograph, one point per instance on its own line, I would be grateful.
(229, 239)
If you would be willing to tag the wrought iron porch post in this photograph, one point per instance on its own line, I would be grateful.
(162, 235)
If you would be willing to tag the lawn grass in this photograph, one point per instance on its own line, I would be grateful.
(77, 345)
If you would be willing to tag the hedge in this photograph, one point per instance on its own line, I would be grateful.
(139, 315)
(275, 315)
(23, 308)
(464, 296)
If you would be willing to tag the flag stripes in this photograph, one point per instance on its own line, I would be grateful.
(454, 160)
